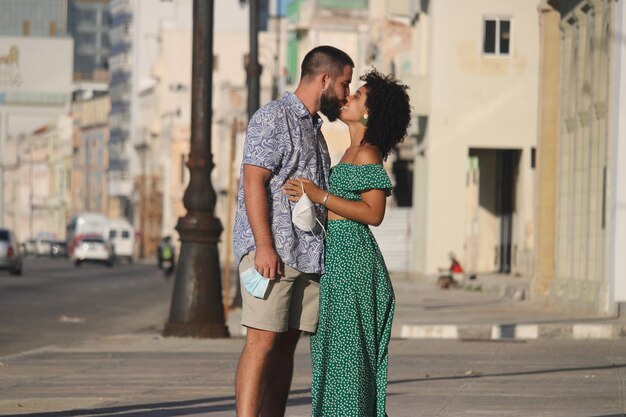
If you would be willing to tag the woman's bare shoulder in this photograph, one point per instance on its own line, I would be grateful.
(368, 154)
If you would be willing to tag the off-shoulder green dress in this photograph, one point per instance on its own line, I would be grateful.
(349, 351)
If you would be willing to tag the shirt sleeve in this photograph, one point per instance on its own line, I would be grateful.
(262, 145)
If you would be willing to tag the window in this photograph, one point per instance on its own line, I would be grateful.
(497, 36)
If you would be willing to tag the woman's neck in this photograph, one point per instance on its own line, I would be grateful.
(357, 133)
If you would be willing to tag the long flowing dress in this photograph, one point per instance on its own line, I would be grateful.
(349, 351)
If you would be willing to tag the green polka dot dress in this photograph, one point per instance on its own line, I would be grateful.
(349, 350)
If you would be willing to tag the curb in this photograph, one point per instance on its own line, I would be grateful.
(579, 331)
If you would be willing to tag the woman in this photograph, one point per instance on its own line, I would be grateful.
(349, 349)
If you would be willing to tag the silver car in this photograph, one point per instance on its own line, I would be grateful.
(10, 253)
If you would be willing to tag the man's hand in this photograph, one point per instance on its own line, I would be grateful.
(267, 262)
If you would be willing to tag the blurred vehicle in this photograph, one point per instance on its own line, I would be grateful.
(93, 249)
(58, 249)
(43, 243)
(122, 237)
(85, 224)
(29, 247)
(166, 256)
(10, 253)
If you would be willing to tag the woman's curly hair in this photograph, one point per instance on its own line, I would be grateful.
(389, 111)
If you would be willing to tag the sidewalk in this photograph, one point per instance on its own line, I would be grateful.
(491, 307)
(476, 374)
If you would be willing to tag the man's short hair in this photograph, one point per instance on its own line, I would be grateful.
(325, 59)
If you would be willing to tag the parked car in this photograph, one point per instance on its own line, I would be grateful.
(29, 248)
(58, 249)
(43, 243)
(93, 249)
(10, 252)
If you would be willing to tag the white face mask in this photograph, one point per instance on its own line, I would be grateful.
(303, 214)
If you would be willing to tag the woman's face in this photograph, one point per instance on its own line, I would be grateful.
(354, 109)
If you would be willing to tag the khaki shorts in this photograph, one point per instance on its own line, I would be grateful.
(291, 301)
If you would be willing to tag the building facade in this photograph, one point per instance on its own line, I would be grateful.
(88, 22)
(134, 37)
(59, 140)
(476, 85)
(90, 156)
(33, 18)
(35, 87)
(586, 269)
(37, 180)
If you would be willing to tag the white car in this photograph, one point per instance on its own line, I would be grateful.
(93, 249)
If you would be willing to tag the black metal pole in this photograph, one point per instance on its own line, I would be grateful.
(254, 68)
(197, 308)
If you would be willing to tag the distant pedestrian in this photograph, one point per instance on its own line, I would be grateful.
(283, 140)
(454, 273)
(349, 351)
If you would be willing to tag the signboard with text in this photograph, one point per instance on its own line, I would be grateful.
(36, 65)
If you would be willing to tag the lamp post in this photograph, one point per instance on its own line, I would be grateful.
(197, 308)
(254, 69)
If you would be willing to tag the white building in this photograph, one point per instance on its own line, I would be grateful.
(617, 206)
(37, 179)
(476, 87)
(35, 87)
(166, 109)
(134, 36)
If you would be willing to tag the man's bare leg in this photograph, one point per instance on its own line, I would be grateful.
(279, 375)
(253, 364)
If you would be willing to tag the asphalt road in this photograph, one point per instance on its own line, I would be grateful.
(55, 302)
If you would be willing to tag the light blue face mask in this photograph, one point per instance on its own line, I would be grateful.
(255, 283)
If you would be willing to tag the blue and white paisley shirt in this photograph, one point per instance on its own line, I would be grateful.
(284, 138)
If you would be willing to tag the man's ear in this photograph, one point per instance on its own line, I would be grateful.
(325, 80)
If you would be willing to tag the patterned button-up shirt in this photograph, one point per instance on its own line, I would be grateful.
(284, 138)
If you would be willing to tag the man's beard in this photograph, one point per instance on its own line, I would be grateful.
(330, 105)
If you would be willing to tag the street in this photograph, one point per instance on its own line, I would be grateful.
(55, 302)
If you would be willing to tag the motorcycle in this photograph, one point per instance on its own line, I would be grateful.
(167, 265)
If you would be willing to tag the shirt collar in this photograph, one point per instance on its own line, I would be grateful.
(300, 109)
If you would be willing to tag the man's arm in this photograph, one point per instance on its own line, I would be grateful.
(266, 261)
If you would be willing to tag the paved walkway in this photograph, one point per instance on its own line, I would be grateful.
(146, 375)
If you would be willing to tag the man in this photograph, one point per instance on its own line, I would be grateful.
(283, 141)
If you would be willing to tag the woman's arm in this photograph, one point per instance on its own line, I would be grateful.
(371, 210)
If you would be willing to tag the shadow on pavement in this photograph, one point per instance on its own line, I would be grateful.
(521, 373)
(165, 409)
(613, 415)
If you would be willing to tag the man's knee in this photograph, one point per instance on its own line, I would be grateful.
(261, 341)
(288, 341)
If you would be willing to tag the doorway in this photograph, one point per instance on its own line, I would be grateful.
(490, 211)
